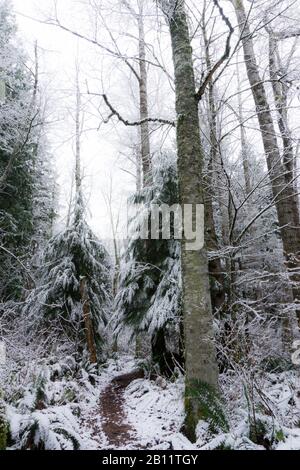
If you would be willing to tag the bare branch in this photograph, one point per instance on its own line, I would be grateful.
(17, 151)
(135, 123)
(114, 112)
(20, 263)
(225, 56)
(287, 34)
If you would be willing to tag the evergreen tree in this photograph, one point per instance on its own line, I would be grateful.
(150, 292)
(73, 297)
(24, 163)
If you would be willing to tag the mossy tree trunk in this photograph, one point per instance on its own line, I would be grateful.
(3, 425)
(200, 355)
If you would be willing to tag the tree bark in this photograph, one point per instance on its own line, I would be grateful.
(200, 355)
(88, 324)
(79, 210)
(78, 188)
(244, 146)
(143, 96)
(142, 76)
(285, 198)
(215, 267)
(280, 90)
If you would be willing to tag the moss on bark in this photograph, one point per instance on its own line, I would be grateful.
(3, 427)
(202, 402)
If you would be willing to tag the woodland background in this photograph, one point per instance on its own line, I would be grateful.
(183, 102)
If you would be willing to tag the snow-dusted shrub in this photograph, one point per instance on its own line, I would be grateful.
(52, 429)
(44, 402)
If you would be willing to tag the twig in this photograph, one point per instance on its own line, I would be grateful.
(225, 56)
(20, 263)
(114, 112)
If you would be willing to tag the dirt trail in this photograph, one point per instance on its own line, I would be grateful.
(115, 426)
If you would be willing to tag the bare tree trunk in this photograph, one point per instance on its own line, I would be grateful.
(78, 188)
(142, 76)
(143, 94)
(285, 199)
(86, 312)
(200, 355)
(36, 76)
(280, 89)
(88, 324)
(214, 265)
(244, 149)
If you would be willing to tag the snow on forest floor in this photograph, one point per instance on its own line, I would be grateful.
(153, 415)
(153, 412)
(52, 405)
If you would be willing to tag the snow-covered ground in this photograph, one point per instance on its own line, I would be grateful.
(54, 406)
(154, 410)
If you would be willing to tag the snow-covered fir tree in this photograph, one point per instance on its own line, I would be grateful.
(149, 296)
(74, 293)
(25, 169)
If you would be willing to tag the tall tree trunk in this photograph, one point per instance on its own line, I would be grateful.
(143, 341)
(78, 188)
(143, 96)
(200, 355)
(244, 146)
(142, 76)
(143, 163)
(215, 267)
(88, 324)
(286, 201)
(79, 213)
(280, 89)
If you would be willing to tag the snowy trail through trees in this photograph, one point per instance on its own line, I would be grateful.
(115, 424)
(125, 410)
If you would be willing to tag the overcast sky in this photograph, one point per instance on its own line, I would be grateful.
(100, 148)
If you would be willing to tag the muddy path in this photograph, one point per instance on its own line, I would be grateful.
(114, 420)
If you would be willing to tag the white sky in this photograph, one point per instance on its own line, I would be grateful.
(100, 148)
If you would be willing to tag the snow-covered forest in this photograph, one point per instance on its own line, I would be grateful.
(118, 330)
